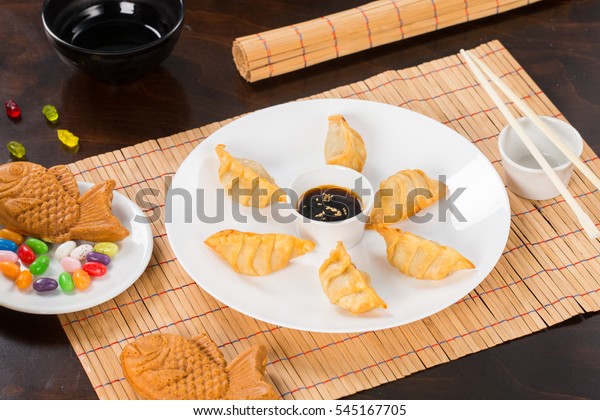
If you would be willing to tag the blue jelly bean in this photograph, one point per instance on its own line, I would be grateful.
(6, 245)
(45, 284)
(98, 257)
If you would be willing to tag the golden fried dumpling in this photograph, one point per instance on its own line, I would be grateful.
(343, 145)
(404, 194)
(419, 257)
(347, 286)
(256, 254)
(252, 177)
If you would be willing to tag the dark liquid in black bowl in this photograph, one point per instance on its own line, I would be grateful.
(329, 203)
(115, 27)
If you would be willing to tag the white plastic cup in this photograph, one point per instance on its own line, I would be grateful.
(326, 234)
(522, 173)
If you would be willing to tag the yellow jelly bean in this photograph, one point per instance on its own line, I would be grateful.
(106, 248)
(81, 279)
(11, 236)
(24, 279)
(67, 138)
(10, 269)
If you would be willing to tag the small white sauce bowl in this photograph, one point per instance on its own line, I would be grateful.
(326, 234)
(521, 172)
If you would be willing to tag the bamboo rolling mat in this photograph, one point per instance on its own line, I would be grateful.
(548, 271)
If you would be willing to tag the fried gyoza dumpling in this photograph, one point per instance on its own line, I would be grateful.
(419, 257)
(343, 145)
(404, 194)
(257, 254)
(252, 177)
(347, 286)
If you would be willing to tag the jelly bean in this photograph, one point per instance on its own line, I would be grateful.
(39, 247)
(40, 265)
(6, 245)
(67, 138)
(10, 269)
(98, 257)
(65, 282)
(26, 254)
(64, 250)
(70, 264)
(94, 269)
(11, 236)
(107, 248)
(24, 279)
(45, 284)
(9, 256)
(81, 279)
(16, 149)
(50, 112)
(12, 109)
(81, 251)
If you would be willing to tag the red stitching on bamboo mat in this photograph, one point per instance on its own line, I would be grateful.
(335, 40)
(467, 10)
(435, 16)
(367, 25)
(400, 23)
(295, 28)
(268, 50)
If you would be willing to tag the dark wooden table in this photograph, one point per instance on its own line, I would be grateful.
(557, 42)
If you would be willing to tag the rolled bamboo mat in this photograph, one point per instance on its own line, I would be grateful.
(548, 271)
(282, 50)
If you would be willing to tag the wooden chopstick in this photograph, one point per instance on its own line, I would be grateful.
(585, 221)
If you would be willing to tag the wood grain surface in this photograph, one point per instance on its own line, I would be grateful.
(557, 42)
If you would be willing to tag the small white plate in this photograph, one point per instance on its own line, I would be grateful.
(125, 268)
(288, 139)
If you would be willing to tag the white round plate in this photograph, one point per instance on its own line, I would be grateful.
(288, 139)
(125, 268)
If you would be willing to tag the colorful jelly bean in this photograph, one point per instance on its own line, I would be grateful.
(65, 281)
(10, 269)
(81, 279)
(45, 284)
(50, 112)
(94, 269)
(39, 247)
(64, 250)
(67, 138)
(40, 265)
(70, 264)
(26, 254)
(11, 236)
(24, 279)
(6, 245)
(9, 256)
(107, 248)
(12, 109)
(16, 149)
(98, 257)
(81, 251)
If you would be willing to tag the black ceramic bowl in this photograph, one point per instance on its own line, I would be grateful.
(113, 41)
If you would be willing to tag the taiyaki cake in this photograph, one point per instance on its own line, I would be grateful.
(404, 194)
(255, 187)
(171, 367)
(256, 254)
(421, 258)
(343, 145)
(45, 203)
(347, 286)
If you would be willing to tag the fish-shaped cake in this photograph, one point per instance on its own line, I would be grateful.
(172, 367)
(45, 203)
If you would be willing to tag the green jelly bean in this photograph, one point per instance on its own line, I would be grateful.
(50, 112)
(40, 265)
(106, 248)
(39, 247)
(16, 149)
(65, 282)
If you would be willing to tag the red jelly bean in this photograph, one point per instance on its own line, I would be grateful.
(26, 254)
(12, 109)
(94, 269)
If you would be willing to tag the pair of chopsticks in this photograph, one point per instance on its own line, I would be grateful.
(477, 66)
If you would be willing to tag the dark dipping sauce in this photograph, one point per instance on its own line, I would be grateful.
(329, 203)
